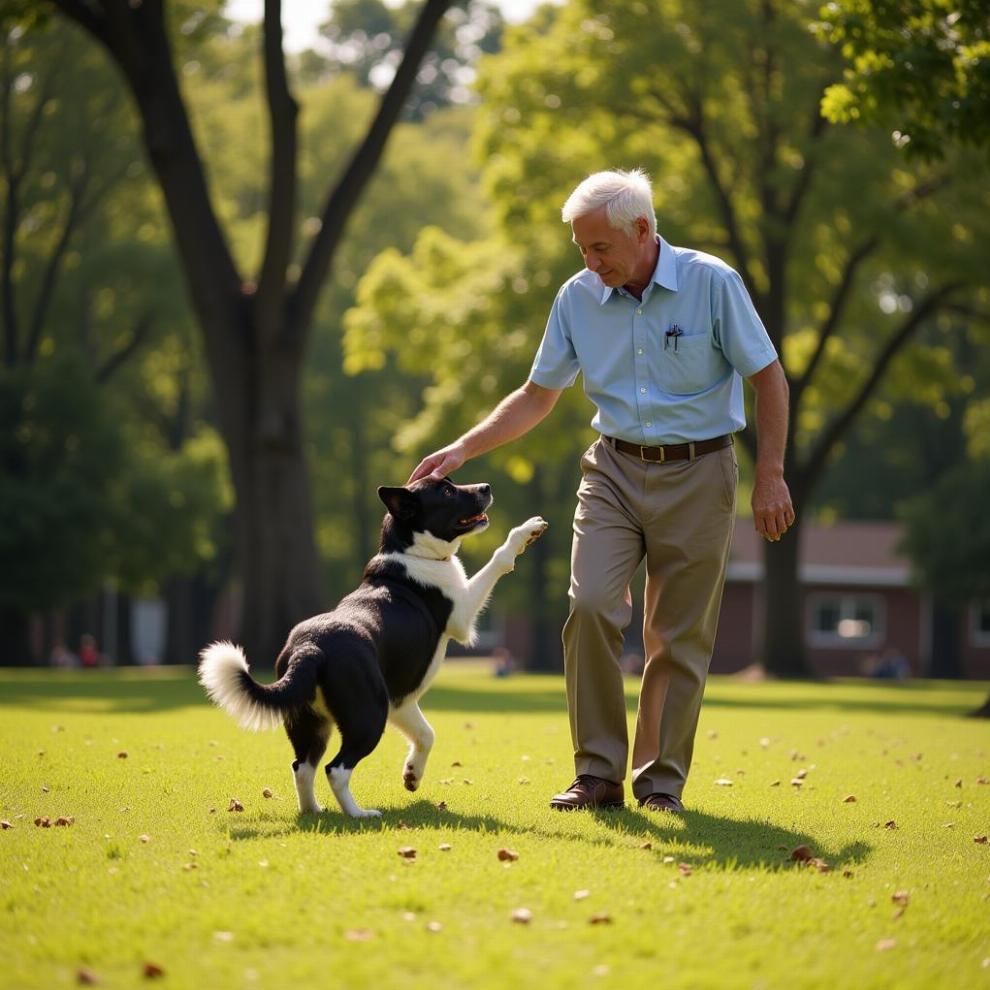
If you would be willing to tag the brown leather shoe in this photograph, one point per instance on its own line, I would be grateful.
(589, 792)
(662, 802)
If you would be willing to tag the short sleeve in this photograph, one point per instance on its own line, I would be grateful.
(737, 327)
(556, 364)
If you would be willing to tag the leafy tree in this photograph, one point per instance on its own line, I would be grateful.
(919, 66)
(847, 252)
(365, 37)
(82, 347)
(256, 327)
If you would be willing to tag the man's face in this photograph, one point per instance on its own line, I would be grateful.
(614, 256)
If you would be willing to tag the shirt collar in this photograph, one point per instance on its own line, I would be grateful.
(665, 273)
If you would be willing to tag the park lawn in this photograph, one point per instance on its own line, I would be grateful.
(156, 869)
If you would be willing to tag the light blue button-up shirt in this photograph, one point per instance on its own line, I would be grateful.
(667, 369)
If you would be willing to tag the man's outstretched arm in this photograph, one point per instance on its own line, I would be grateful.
(773, 513)
(515, 415)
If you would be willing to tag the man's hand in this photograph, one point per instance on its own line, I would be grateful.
(439, 464)
(773, 513)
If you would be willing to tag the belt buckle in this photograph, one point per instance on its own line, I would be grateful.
(651, 460)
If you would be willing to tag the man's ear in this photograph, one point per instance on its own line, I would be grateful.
(400, 502)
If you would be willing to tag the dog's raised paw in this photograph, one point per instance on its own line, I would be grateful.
(532, 530)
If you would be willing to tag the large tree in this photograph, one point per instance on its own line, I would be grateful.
(256, 325)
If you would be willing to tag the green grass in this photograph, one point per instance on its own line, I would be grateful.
(264, 898)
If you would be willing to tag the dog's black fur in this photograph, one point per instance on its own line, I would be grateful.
(372, 657)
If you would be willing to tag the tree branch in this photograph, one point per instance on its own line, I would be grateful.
(121, 354)
(836, 308)
(282, 112)
(342, 200)
(840, 424)
(87, 16)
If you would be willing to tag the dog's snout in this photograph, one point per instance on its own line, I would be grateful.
(485, 490)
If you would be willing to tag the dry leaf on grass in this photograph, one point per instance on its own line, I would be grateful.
(266, 792)
(891, 825)
(445, 847)
(646, 845)
(407, 852)
(359, 935)
(849, 799)
(43, 822)
(886, 943)
(801, 854)
(64, 820)
(580, 895)
(723, 782)
(152, 971)
(86, 977)
(684, 869)
(5, 825)
(522, 916)
(434, 926)
(507, 855)
(235, 805)
(981, 839)
(122, 755)
(600, 919)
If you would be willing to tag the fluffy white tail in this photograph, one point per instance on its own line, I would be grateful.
(223, 671)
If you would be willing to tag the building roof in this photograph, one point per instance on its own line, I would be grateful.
(860, 553)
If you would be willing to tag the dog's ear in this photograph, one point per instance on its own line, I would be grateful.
(400, 502)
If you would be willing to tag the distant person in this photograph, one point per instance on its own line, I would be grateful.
(62, 656)
(89, 654)
(891, 665)
(664, 337)
(503, 663)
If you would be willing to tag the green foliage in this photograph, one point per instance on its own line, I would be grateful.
(155, 868)
(60, 450)
(948, 534)
(922, 66)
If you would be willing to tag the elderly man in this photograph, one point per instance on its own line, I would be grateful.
(663, 337)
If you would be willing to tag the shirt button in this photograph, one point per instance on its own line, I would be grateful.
(642, 391)
(647, 424)
(639, 312)
(639, 350)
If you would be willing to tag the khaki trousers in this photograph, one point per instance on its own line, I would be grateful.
(679, 516)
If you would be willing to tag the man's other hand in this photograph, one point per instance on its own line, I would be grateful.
(773, 513)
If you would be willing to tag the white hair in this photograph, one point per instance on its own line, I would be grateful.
(626, 196)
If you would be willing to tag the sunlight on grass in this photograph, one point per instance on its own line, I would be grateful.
(155, 869)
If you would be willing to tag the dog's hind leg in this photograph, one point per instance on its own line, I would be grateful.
(409, 720)
(308, 734)
(358, 738)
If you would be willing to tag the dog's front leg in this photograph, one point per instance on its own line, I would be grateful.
(409, 720)
(480, 587)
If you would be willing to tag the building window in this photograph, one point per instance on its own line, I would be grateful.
(845, 620)
(980, 625)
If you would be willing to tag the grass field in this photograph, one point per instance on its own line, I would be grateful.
(155, 869)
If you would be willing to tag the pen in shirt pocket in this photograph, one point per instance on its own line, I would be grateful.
(672, 334)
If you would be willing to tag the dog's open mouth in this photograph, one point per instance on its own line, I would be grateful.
(472, 520)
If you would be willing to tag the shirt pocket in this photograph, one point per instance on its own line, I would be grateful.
(689, 363)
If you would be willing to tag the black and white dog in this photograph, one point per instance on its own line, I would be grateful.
(370, 659)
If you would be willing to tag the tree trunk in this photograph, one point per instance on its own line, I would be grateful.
(545, 651)
(946, 620)
(15, 645)
(781, 643)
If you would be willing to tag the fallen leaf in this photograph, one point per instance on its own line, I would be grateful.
(580, 895)
(886, 943)
(468, 782)
(981, 839)
(849, 799)
(668, 859)
(457, 763)
(600, 919)
(954, 804)
(848, 873)
(775, 783)
(407, 852)
(434, 926)
(712, 734)
(235, 805)
(522, 916)
(801, 854)
(524, 780)
(152, 971)
(797, 781)
(144, 838)
(890, 825)
(445, 847)
(508, 855)
(646, 845)
(86, 977)
(64, 820)
(723, 782)
(765, 742)
(441, 806)
(684, 869)
(5, 825)
(801, 774)
(223, 936)
(819, 864)
(359, 935)
(267, 792)
(959, 782)
(43, 822)
(983, 780)
(122, 755)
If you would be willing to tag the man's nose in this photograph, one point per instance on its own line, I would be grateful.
(592, 261)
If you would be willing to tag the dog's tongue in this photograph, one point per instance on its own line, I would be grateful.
(467, 520)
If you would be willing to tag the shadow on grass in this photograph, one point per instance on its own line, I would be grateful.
(697, 838)
(126, 690)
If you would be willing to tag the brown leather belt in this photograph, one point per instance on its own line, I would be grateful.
(673, 451)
